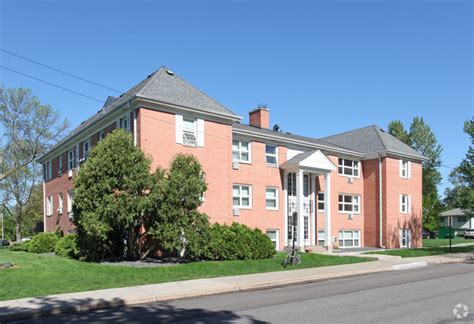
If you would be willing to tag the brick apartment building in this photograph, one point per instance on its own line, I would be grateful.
(363, 185)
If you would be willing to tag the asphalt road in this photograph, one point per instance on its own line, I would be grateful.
(423, 295)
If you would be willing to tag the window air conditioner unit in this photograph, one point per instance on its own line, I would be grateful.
(350, 179)
(235, 165)
(69, 174)
(71, 215)
(351, 216)
(236, 212)
(189, 139)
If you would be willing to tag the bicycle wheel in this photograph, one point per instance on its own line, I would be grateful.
(297, 259)
(286, 261)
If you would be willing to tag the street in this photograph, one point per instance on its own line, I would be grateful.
(423, 295)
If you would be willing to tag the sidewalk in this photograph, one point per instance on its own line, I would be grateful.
(84, 301)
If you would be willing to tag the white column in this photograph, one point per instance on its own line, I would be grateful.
(313, 209)
(285, 215)
(300, 208)
(327, 211)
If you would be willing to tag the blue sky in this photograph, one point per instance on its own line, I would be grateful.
(322, 67)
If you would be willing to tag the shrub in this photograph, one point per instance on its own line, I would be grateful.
(23, 246)
(67, 246)
(238, 242)
(43, 243)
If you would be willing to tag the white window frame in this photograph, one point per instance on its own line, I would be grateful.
(321, 237)
(341, 237)
(49, 206)
(405, 169)
(352, 203)
(275, 199)
(320, 201)
(60, 201)
(275, 155)
(405, 203)
(71, 159)
(101, 135)
(355, 166)
(240, 150)
(276, 240)
(240, 197)
(70, 201)
(126, 118)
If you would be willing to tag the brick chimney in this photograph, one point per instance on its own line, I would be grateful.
(260, 117)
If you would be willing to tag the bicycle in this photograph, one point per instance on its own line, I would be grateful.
(293, 257)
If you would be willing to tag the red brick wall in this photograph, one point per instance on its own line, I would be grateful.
(53, 188)
(371, 202)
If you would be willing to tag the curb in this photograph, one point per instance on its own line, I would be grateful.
(105, 300)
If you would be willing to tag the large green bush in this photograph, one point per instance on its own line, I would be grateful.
(43, 243)
(238, 242)
(67, 246)
(23, 246)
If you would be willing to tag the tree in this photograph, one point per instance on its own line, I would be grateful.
(177, 226)
(462, 177)
(397, 129)
(29, 129)
(422, 139)
(110, 198)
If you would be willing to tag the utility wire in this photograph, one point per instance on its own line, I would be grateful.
(60, 71)
(52, 84)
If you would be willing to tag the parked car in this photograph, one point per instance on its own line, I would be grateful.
(25, 239)
(4, 242)
(428, 235)
(469, 233)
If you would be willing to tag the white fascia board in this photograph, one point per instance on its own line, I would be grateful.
(280, 139)
(170, 107)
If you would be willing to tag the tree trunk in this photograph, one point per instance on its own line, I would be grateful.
(18, 222)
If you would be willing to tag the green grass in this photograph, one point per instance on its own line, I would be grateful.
(40, 275)
(434, 250)
(444, 242)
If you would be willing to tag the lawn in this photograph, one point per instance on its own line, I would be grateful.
(39, 275)
(426, 251)
(444, 242)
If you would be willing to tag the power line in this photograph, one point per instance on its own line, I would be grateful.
(60, 71)
(52, 84)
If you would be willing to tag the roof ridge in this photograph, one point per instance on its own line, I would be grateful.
(349, 131)
(377, 130)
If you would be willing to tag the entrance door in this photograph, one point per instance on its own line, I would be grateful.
(405, 238)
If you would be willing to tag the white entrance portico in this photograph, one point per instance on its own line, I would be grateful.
(300, 195)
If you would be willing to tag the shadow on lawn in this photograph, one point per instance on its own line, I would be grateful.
(101, 310)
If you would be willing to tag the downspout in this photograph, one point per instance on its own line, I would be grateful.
(380, 204)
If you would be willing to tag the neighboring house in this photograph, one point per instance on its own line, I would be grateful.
(460, 219)
(363, 185)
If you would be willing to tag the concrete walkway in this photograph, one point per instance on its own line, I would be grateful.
(84, 301)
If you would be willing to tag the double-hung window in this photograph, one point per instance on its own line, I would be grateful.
(71, 161)
(273, 235)
(86, 147)
(349, 168)
(404, 204)
(49, 206)
(48, 170)
(124, 122)
(405, 169)
(189, 131)
(241, 151)
(271, 198)
(60, 201)
(271, 154)
(101, 135)
(321, 201)
(349, 203)
(349, 239)
(70, 200)
(60, 164)
(242, 196)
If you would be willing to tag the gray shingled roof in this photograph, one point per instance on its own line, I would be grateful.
(167, 87)
(453, 212)
(266, 131)
(162, 85)
(298, 158)
(371, 139)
